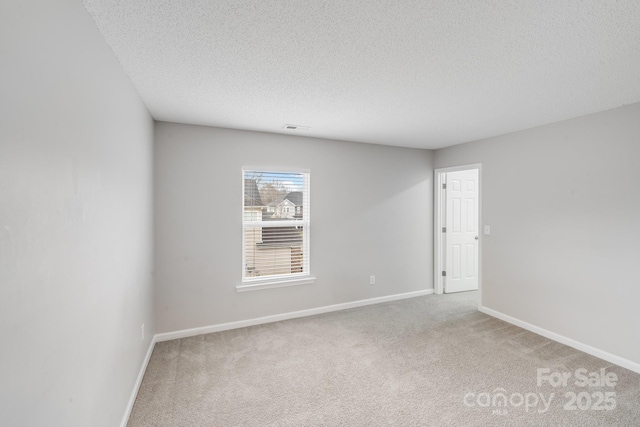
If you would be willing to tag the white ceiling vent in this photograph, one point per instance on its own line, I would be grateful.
(296, 127)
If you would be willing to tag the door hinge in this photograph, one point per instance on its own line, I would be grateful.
(444, 229)
(444, 186)
(444, 274)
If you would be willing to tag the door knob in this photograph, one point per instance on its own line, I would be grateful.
(476, 237)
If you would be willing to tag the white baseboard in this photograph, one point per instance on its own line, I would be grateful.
(136, 386)
(620, 361)
(284, 316)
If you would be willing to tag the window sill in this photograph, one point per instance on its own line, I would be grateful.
(274, 283)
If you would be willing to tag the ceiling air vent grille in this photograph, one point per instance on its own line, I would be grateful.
(296, 127)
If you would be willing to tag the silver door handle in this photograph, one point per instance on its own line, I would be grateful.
(476, 237)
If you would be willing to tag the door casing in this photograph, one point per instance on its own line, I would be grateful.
(439, 220)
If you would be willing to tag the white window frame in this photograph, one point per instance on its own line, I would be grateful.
(290, 279)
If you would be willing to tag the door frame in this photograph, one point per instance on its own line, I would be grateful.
(439, 220)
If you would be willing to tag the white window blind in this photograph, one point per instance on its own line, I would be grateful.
(275, 223)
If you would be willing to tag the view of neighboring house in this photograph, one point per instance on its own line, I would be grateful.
(289, 207)
(253, 205)
(271, 250)
(281, 209)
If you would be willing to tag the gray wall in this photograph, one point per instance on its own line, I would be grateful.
(564, 208)
(75, 221)
(371, 213)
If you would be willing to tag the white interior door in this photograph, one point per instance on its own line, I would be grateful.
(461, 234)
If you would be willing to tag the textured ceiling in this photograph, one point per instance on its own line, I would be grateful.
(413, 73)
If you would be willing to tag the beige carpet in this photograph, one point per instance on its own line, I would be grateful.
(428, 361)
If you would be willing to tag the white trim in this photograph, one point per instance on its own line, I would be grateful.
(136, 386)
(438, 221)
(620, 361)
(285, 316)
(255, 285)
(437, 232)
(289, 223)
(274, 168)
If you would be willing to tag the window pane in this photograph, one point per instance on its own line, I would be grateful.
(273, 251)
(280, 195)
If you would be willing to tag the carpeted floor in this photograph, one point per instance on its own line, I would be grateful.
(427, 361)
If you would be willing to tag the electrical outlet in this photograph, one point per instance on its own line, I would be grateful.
(372, 280)
(142, 327)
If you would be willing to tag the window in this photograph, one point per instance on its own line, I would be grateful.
(275, 229)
